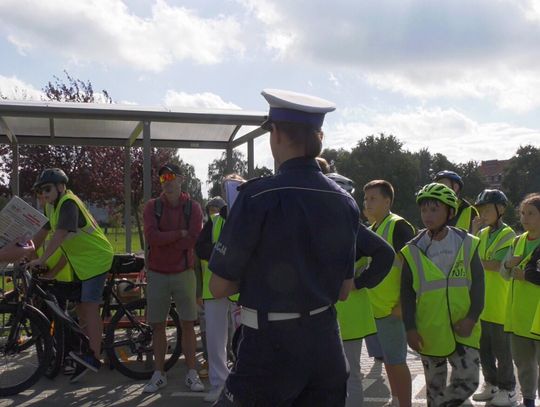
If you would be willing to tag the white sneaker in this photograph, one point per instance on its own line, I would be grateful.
(504, 398)
(193, 381)
(157, 381)
(213, 394)
(487, 393)
(392, 403)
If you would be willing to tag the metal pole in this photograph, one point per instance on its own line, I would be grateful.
(127, 197)
(147, 163)
(250, 150)
(15, 169)
(229, 165)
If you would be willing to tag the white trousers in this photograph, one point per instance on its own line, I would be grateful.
(216, 313)
(355, 392)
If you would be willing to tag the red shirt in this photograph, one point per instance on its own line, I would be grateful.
(168, 249)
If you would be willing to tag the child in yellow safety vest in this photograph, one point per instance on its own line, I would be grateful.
(523, 298)
(495, 356)
(442, 296)
(374, 258)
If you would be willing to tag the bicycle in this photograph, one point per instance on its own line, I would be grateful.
(127, 340)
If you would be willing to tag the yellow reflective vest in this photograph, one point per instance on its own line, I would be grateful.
(536, 322)
(442, 300)
(385, 296)
(355, 316)
(88, 251)
(496, 286)
(522, 297)
(465, 216)
(217, 225)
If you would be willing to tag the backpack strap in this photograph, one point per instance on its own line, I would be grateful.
(187, 213)
(158, 210)
(187, 219)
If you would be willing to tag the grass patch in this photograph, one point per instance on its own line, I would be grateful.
(117, 237)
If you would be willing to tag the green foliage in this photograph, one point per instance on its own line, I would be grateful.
(522, 175)
(383, 157)
(218, 169)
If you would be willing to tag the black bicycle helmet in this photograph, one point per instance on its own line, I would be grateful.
(51, 176)
(344, 182)
(216, 201)
(491, 196)
(451, 175)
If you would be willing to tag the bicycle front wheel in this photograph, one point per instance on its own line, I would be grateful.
(25, 349)
(128, 341)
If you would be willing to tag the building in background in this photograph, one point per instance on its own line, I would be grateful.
(492, 172)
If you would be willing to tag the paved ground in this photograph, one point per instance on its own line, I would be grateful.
(109, 388)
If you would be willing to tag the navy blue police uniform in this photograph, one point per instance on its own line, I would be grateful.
(289, 241)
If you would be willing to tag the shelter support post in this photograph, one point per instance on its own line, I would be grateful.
(250, 155)
(127, 196)
(229, 166)
(147, 162)
(15, 170)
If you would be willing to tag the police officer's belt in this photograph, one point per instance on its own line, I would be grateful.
(249, 317)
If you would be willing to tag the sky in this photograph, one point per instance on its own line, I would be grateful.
(458, 77)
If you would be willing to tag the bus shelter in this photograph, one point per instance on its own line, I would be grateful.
(127, 126)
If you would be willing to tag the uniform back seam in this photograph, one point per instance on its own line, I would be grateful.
(298, 188)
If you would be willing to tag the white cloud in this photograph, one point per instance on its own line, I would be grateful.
(445, 131)
(15, 89)
(334, 80)
(106, 31)
(197, 100)
(420, 48)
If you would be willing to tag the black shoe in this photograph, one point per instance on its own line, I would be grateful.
(79, 372)
(87, 360)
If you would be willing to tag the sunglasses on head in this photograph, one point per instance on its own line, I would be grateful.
(166, 177)
(46, 189)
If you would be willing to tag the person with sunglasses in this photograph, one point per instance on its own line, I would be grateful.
(288, 248)
(172, 224)
(88, 252)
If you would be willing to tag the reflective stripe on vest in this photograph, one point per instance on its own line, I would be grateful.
(522, 297)
(442, 300)
(355, 316)
(385, 296)
(496, 286)
(88, 251)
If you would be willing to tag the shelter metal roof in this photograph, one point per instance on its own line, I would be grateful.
(59, 123)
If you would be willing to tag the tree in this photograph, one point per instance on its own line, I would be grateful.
(218, 169)
(522, 175)
(381, 157)
(473, 183)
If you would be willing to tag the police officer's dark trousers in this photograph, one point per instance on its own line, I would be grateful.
(298, 362)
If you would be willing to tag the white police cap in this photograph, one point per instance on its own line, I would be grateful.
(296, 107)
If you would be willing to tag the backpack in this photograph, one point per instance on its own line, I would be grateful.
(158, 212)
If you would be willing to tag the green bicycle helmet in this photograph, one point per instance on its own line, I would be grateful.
(440, 193)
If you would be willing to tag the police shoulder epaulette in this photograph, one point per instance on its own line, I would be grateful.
(251, 182)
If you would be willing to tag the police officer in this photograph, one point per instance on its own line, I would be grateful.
(288, 248)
